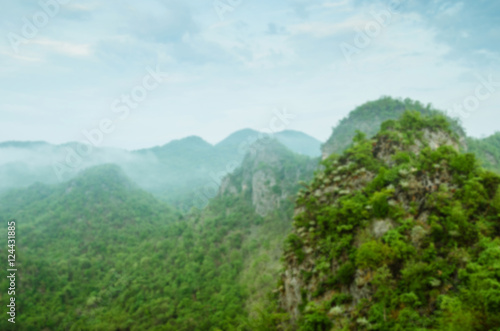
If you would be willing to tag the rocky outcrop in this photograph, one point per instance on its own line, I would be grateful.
(268, 175)
(310, 269)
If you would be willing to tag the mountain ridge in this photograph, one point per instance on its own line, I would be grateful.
(376, 232)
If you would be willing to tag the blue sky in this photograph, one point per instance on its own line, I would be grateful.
(231, 64)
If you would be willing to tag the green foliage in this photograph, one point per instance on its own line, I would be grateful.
(369, 117)
(487, 150)
(314, 319)
(373, 254)
(346, 273)
(380, 203)
(420, 241)
(100, 254)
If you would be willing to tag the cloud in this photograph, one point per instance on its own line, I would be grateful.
(325, 29)
(67, 48)
(464, 26)
(262, 56)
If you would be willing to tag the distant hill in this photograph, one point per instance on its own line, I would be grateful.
(487, 150)
(185, 172)
(90, 243)
(296, 141)
(99, 253)
(300, 142)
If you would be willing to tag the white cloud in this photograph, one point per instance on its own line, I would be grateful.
(67, 48)
(324, 29)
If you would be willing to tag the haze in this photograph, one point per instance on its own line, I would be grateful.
(228, 65)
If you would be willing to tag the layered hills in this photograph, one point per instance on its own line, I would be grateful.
(397, 229)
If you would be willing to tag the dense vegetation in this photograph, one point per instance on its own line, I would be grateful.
(368, 117)
(415, 246)
(184, 173)
(487, 150)
(98, 253)
(393, 234)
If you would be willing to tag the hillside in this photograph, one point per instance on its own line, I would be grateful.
(84, 249)
(487, 150)
(400, 232)
(368, 117)
(185, 172)
(98, 253)
(296, 141)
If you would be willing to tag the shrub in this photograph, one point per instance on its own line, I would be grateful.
(373, 254)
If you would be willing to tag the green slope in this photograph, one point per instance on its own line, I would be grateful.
(401, 232)
(87, 252)
(98, 253)
(487, 150)
(368, 117)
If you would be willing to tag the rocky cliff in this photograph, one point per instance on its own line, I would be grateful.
(400, 232)
(269, 175)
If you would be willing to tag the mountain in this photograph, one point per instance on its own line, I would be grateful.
(368, 117)
(400, 232)
(84, 248)
(300, 142)
(296, 141)
(23, 144)
(99, 253)
(185, 172)
(487, 150)
(244, 137)
(270, 173)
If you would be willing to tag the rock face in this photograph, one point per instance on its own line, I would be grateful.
(349, 222)
(268, 174)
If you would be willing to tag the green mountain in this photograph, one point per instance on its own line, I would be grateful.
(86, 251)
(487, 150)
(400, 232)
(295, 141)
(184, 173)
(300, 142)
(368, 117)
(98, 253)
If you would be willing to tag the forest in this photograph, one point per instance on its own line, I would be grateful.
(396, 230)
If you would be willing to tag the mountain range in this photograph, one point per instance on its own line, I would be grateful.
(185, 172)
(396, 228)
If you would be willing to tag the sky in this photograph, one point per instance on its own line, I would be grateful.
(135, 74)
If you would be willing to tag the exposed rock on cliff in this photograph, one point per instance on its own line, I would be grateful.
(269, 174)
(388, 236)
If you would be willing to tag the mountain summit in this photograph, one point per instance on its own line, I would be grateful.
(398, 233)
(368, 117)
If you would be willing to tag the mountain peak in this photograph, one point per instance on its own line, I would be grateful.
(239, 137)
(107, 177)
(368, 117)
(268, 175)
(388, 216)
